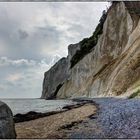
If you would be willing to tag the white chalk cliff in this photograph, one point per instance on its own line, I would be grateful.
(106, 64)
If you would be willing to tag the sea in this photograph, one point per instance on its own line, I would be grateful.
(23, 106)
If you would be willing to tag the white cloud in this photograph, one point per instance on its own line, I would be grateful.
(19, 62)
(4, 61)
(14, 77)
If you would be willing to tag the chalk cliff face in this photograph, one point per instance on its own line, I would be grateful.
(55, 78)
(111, 67)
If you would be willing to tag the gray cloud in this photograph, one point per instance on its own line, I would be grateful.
(22, 34)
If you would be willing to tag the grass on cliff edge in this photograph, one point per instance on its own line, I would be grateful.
(134, 94)
(87, 44)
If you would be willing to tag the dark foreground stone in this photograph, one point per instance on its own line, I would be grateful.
(7, 128)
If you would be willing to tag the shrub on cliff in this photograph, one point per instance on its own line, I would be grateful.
(87, 44)
(134, 94)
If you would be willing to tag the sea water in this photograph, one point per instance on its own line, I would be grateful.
(23, 106)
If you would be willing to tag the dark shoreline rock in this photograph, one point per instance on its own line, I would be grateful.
(32, 115)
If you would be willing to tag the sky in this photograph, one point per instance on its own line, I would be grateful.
(33, 36)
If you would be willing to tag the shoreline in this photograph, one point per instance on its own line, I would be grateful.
(58, 125)
(32, 115)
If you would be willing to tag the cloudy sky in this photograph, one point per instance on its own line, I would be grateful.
(33, 36)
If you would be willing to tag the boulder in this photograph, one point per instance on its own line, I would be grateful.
(7, 128)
